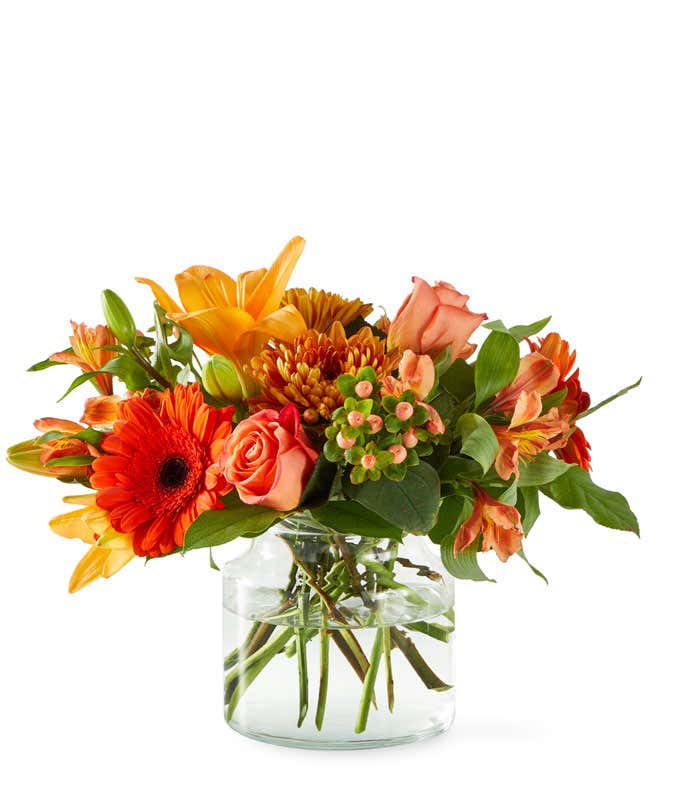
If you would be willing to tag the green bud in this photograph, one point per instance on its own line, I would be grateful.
(118, 318)
(221, 380)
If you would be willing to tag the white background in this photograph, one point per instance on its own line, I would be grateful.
(526, 152)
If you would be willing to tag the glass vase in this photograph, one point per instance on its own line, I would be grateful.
(337, 641)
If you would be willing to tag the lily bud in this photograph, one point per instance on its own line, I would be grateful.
(221, 380)
(118, 318)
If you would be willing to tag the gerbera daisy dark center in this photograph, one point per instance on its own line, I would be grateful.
(173, 473)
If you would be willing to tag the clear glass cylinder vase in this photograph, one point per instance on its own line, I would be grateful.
(337, 641)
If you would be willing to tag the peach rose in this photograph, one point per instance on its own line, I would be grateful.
(268, 458)
(432, 319)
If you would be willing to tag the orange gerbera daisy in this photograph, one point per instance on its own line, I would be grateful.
(159, 470)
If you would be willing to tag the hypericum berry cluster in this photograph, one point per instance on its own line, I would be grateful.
(377, 436)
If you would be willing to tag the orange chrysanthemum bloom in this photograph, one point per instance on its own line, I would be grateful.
(576, 449)
(304, 372)
(160, 468)
(320, 309)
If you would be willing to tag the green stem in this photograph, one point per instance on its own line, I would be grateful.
(434, 630)
(323, 674)
(367, 691)
(387, 652)
(301, 649)
(244, 676)
(413, 657)
(146, 365)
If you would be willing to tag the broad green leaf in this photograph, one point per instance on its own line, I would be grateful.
(527, 504)
(182, 348)
(575, 490)
(464, 565)
(459, 380)
(129, 371)
(453, 511)
(457, 468)
(215, 527)
(609, 399)
(443, 362)
(445, 405)
(118, 318)
(496, 365)
(523, 556)
(479, 440)
(518, 332)
(353, 518)
(46, 363)
(410, 504)
(541, 470)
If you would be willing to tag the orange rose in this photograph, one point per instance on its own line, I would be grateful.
(268, 458)
(432, 319)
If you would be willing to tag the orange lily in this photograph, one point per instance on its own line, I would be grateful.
(235, 318)
(536, 373)
(499, 524)
(577, 449)
(88, 355)
(527, 434)
(109, 550)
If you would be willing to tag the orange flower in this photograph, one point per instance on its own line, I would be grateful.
(109, 550)
(577, 449)
(160, 471)
(499, 524)
(64, 447)
(536, 373)
(415, 373)
(527, 434)
(101, 411)
(235, 318)
(432, 319)
(88, 355)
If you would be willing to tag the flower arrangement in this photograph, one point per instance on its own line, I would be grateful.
(250, 403)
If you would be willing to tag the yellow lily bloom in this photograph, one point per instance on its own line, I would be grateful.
(110, 550)
(235, 318)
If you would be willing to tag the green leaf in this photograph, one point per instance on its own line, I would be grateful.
(541, 470)
(527, 504)
(89, 435)
(575, 490)
(453, 511)
(353, 518)
(410, 504)
(479, 440)
(82, 378)
(496, 365)
(459, 380)
(182, 348)
(215, 527)
(552, 400)
(523, 556)
(320, 482)
(70, 460)
(609, 399)
(129, 371)
(46, 363)
(457, 468)
(118, 318)
(443, 362)
(464, 565)
(518, 332)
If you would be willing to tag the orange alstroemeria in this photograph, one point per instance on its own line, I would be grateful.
(527, 434)
(536, 373)
(235, 318)
(88, 353)
(576, 449)
(66, 447)
(101, 411)
(110, 550)
(499, 524)
(416, 373)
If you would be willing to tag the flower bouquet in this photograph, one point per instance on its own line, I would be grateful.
(348, 450)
